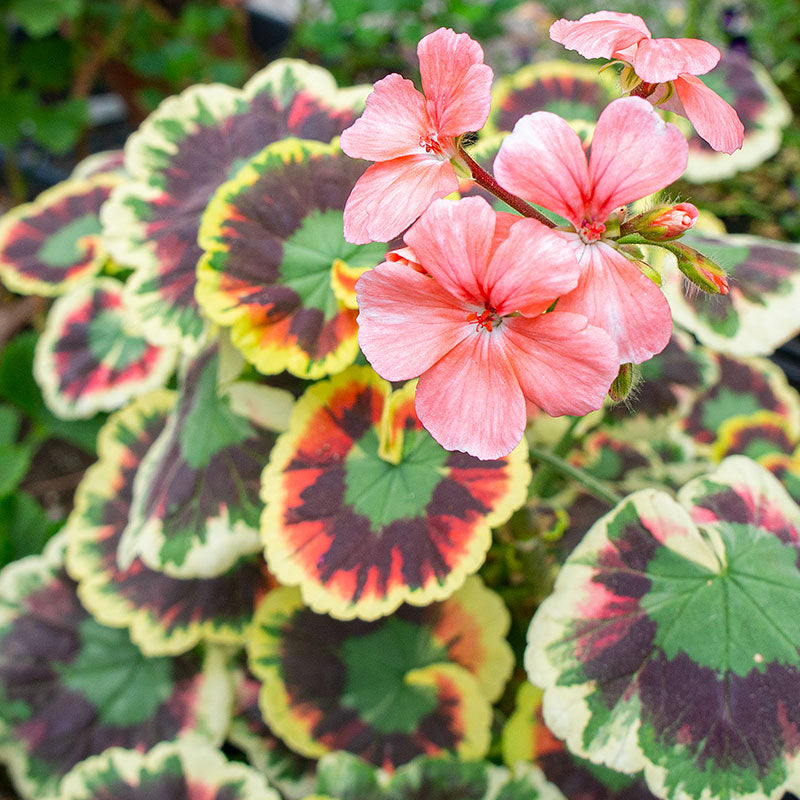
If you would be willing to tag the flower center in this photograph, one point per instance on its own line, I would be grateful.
(431, 144)
(487, 319)
(591, 231)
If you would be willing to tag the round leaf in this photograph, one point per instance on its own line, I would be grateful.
(92, 356)
(386, 690)
(51, 244)
(181, 154)
(70, 687)
(671, 642)
(186, 770)
(363, 530)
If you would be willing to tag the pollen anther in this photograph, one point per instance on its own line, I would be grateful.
(486, 319)
(430, 144)
(592, 231)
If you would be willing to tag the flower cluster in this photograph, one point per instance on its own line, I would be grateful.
(497, 312)
(662, 70)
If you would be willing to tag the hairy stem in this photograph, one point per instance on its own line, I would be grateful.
(486, 181)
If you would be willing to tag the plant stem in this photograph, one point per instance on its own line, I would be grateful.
(486, 181)
(13, 175)
(590, 483)
(546, 471)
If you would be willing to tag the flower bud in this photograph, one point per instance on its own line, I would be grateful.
(663, 223)
(699, 269)
(623, 383)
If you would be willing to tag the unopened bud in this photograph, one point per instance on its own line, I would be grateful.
(699, 269)
(662, 223)
(623, 383)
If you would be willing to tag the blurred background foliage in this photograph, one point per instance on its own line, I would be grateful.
(362, 40)
(69, 67)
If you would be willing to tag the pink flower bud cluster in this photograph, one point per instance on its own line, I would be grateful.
(495, 311)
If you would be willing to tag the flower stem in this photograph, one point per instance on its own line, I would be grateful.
(545, 471)
(486, 181)
(590, 483)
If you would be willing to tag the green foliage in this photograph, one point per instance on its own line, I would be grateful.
(362, 40)
(176, 53)
(42, 17)
(53, 52)
(18, 387)
(24, 526)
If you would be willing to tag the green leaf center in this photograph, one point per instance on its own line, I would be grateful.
(112, 673)
(384, 492)
(61, 249)
(377, 665)
(309, 253)
(106, 335)
(743, 617)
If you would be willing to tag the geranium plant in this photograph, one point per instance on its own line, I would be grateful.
(455, 475)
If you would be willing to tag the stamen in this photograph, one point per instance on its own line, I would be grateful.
(592, 231)
(486, 319)
(430, 143)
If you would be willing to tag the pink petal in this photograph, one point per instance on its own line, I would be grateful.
(390, 195)
(713, 119)
(615, 296)
(564, 365)
(453, 242)
(601, 34)
(503, 221)
(634, 153)
(530, 269)
(406, 321)
(408, 257)
(471, 400)
(456, 82)
(393, 121)
(661, 60)
(543, 161)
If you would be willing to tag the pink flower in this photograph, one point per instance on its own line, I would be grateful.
(473, 326)
(634, 153)
(666, 67)
(412, 136)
